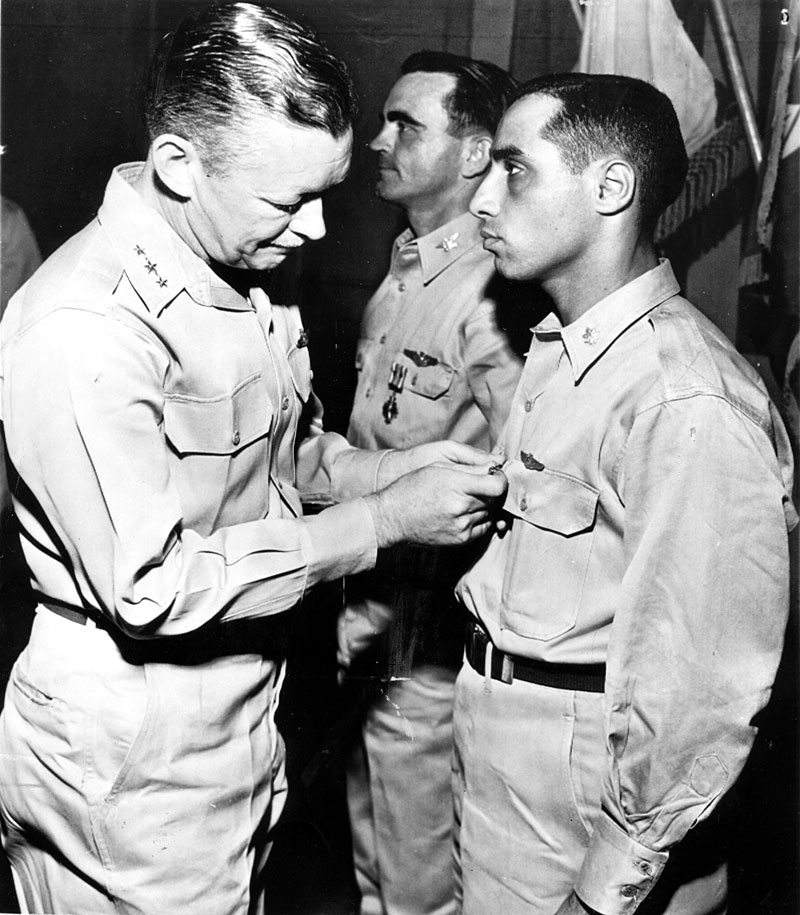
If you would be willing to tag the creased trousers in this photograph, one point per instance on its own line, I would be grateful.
(137, 788)
(399, 798)
(527, 784)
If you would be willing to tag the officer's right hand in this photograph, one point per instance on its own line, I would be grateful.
(442, 504)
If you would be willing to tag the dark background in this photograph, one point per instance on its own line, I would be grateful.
(71, 77)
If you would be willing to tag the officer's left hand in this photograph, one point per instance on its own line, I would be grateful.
(398, 463)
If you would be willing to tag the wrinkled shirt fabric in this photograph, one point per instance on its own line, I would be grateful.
(436, 319)
(162, 428)
(175, 428)
(648, 508)
(431, 329)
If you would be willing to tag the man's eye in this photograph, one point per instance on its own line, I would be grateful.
(512, 168)
(290, 208)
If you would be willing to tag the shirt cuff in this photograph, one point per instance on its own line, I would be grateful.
(617, 872)
(341, 540)
(355, 473)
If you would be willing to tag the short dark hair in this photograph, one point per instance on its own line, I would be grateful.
(603, 115)
(481, 95)
(240, 59)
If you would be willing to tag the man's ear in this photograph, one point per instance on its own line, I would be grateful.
(477, 150)
(614, 186)
(175, 161)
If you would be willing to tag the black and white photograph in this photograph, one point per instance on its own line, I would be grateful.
(399, 431)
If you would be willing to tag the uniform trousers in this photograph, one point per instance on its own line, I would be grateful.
(399, 797)
(137, 788)
(528, 762)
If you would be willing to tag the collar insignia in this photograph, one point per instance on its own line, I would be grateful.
(149, 266)
(590, 336)
(449, 242)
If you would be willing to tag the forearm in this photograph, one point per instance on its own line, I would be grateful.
(695, 641)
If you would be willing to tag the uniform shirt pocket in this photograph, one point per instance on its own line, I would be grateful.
(219, 425)
(220, 452)
(432, 380)
(551, 540)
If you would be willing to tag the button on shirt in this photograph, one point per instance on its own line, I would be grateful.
(648, 501)
(432, 324)
(434, 318)
(156, 418)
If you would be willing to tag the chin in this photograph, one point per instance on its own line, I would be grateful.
(264, 260)
(512, 271)
(384, 191)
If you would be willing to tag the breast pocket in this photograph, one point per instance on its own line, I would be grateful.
(220, 454)
(218, 425)
(429, 381)
(551, 539)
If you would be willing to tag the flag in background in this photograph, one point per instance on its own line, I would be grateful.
(770, 269)
(645, 39)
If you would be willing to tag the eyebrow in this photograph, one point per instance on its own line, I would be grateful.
(400, 115)
(504, 153)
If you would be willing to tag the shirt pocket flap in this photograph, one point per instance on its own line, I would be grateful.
(430, 381)
(222, 425)
(550, 500)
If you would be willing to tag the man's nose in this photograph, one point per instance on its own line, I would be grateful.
(484, 201)
(309, 221)
(380, 142)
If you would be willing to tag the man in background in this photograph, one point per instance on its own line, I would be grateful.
(19, 258)
(161, 427)
(433, 363)
(630, 610)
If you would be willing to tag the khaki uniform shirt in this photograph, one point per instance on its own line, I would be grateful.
(432, 364)
(648, 502)
(162, 427)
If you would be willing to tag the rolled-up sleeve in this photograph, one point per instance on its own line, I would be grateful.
(697, 635)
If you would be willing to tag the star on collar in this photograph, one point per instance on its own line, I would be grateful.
(150, 266)
(449, 242)
(590, 336)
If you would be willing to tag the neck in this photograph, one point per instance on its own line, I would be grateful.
(574, 294)
(168, 207)
(425, 216)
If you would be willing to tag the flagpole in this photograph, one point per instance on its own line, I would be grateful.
(741, 90)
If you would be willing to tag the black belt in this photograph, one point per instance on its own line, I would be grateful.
(589, 678)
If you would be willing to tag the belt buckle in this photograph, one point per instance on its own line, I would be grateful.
(507, 670)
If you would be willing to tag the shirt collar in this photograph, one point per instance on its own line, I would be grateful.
(444, 246)
(157, 262)
(588, 338)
